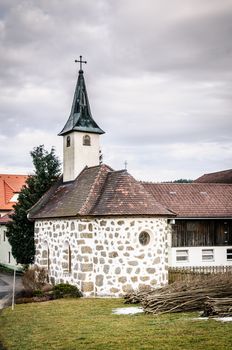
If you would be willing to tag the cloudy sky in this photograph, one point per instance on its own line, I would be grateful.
(159, 79)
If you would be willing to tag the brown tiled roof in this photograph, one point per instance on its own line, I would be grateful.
(97, 191)
(224, 176)
(71, 198)
(194, 200)
(123, 195)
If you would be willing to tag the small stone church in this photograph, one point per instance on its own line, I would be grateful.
(98, 228)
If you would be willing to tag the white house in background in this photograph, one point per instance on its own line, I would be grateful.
(108, 233)
(10, 186)
(6, 257)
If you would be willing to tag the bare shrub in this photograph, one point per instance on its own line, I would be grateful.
(34, 278)
(47, 287)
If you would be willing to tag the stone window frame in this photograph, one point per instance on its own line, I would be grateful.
(68, 141)
(151, 236)
(49, 261)
(67, 262)
(45, 247)
(86, 140)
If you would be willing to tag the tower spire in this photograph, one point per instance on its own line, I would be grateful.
(81, 134)
(80, 118)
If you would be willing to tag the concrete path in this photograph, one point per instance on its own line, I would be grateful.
(6, 288)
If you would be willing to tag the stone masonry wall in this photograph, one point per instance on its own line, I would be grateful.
(103, 256)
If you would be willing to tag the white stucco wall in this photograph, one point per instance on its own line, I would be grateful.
(77, 156)
(195, 256)
(106, 255)
(6, 256)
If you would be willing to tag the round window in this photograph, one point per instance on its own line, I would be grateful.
(144, 238)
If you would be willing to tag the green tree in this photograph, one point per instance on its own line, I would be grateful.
(20, 231)
(182, 181)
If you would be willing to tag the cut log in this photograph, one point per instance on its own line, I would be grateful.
(218, 307)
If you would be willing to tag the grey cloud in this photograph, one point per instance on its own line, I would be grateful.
(195, 46)
(158, 72)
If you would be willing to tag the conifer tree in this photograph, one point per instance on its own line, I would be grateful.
(20, 231)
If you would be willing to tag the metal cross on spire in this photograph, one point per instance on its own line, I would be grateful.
(80, 61)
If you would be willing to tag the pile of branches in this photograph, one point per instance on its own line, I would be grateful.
(219, 307)
(181, 297)
(136, 297)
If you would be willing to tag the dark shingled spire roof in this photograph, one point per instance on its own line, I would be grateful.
(96, 191)
(80, 118)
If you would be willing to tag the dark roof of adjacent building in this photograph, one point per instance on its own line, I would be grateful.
(80, 118)
(224, 176)
(96, 191)
(5, 219)
(194, 200)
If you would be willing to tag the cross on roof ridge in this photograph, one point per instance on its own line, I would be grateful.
(80, 61)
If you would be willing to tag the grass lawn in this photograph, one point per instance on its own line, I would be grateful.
(89, 324)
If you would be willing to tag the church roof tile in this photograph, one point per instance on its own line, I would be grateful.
(97, 191)
(123, 195)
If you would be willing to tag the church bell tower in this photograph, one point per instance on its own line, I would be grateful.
(81, 133)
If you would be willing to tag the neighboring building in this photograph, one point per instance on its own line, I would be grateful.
(108, 233)
(224, 176)
(202, 233)
(10, 186)
(6, 256)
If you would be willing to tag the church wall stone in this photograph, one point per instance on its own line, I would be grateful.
(104, 256)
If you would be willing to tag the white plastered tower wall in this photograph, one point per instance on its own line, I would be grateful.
(78, 155)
